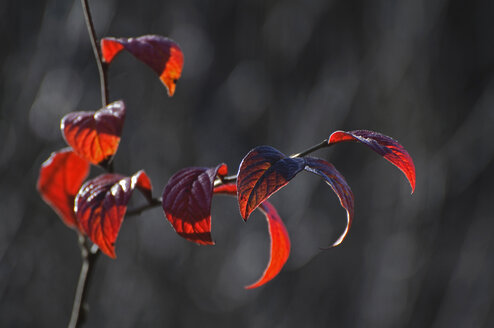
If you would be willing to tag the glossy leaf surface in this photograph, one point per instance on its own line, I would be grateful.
(101, 205)
(278, 235)
(339, 185)
(263, 171)
(163, 55)
(187, 202)
(60, 178)
(95, 136)
(385, 146)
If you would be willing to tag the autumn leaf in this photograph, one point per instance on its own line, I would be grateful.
(263, 171)
(60, 178)
(95, 136)
(101, 204)
(339, 185)
(385, 146)
(163, 55)
(187, 202)
(278, 236)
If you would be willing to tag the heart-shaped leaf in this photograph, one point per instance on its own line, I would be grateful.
(163, 55)
(187, 202)
(279, 239)
(385, 146)
(263, 171)
(339, 185)
(101, 204)
(60, 178)
(95, 135)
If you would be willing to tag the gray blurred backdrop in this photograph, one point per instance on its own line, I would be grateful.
(283, 73)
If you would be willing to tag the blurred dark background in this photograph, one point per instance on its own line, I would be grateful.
(282, 73)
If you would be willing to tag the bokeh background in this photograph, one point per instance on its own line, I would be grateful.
(283, 73)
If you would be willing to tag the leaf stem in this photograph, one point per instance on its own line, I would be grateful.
(320, 145)
(102, 67)
(155, 202)
(89, 255)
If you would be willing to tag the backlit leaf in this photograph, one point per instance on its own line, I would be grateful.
(163, 55)
(60, 178)
(95, 135)
(263, 171)
(101, 204)
(339, 185)
(280, 245)
(187, 202)
(385, 146)
(278, 235)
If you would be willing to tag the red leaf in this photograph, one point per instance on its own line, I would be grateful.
(339, 185)
(95, 135)
(385, 146)
(263, 171)
(163, 55)
(101, 204)
(280, 245)
(60, 178)
(278, 235)
(187, 202)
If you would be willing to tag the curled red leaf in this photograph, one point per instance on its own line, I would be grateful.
(60, 178)
(280, 245)
(339, 185)
(187, 202)
(163, 55)
(101, 204)
(278, 235)
(263, 171)
(385, 146)
(95, 136)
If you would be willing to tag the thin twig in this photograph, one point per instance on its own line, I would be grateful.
(89, 256)
(102, 67)
(320, 145)
(138, 210)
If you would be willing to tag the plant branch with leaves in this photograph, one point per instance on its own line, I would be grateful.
(96, 208)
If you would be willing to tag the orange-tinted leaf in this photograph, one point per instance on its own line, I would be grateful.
(163, 55)
(95, 135)
(101, 204)
(187, 202)
(385, 146)
(339, 185)
(280, 245)
(278, 235)
(60, 178)
(263, 171)
(226, 189)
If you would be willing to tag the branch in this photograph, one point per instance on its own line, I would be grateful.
(102, 67)
(89, 255)
(138, 210)
(320, 145)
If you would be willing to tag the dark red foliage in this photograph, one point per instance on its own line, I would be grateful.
(187, 202)
(101, 204)
(280, 245)
(163, 55)
(60, 178)
(339, 185)
(280, 241)
(385, 146)
(95, 136)
(263, 171)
